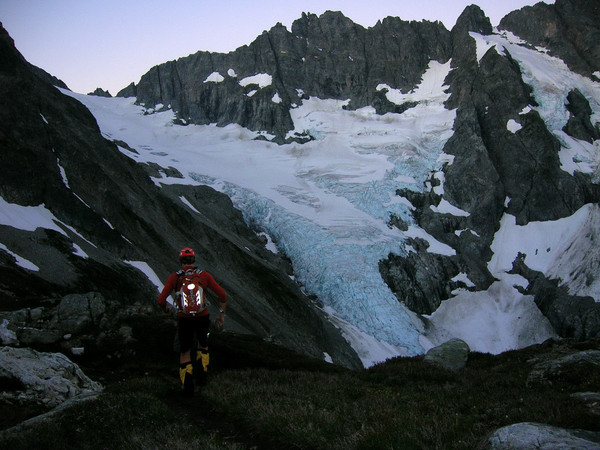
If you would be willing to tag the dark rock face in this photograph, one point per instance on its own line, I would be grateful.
(326, 57)
(107, 211)
(579, 125)
(571, 316)
(100, 93)
(420, 280)
(490, 165)
(570, 29)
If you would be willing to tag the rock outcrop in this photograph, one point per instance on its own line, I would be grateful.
(571, 316)
(525, 436)
(43, 378)
(565, 368)
(100, 93)
(568, 29)
(451, 355)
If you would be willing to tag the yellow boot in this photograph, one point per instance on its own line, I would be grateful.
(202, 362)
(186, 371)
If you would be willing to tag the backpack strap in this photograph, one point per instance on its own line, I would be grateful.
(181, 272)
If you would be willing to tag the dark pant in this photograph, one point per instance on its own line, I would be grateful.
(190, 326)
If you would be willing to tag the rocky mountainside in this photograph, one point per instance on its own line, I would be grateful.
(100, 221)
(77, 217)
(495, 171)
(87, 232)
(325, 57)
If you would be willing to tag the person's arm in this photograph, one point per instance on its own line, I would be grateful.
(167, 290)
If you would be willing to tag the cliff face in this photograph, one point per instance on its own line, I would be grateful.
(568, 29)
(491, 164)
(324, 57)
(332, 57)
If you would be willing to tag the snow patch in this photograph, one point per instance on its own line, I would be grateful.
(63, 173)
(492, 321)
(435, 246)
(431, 88)
(513, 126)
(79, 251)
(28, 218)
(463, 278)
(445, 207)
(187, 203)
(143, 267)
(563, 249)
(22, 262)
(270, 244)
(262, 79)
(214, 77)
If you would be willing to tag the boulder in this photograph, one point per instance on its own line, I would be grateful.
(451, 355)
(591, 400)
(79, 311)
(568, 367)
(7, 336)
(539, 436)
(48, 379)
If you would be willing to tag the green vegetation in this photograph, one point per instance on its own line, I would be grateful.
(263, 396)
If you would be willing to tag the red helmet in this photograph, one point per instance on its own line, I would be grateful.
(187, 252)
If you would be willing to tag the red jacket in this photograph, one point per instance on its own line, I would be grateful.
(174, 284)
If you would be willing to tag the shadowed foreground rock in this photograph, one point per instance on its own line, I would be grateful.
(451, 355)
(44, 378)
(540, 436)
(561, 367)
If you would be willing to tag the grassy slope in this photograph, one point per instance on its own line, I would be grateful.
(263, 396)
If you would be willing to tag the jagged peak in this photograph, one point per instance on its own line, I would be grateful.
(473, 19)
(333, 18)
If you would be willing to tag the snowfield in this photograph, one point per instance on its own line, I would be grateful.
(326, 203)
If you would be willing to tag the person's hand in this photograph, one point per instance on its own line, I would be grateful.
(220, 320)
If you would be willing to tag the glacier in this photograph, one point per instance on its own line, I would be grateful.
(327, 203)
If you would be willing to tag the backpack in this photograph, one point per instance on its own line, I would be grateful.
(191, 295)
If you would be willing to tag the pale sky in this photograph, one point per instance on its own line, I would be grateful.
(111, 43)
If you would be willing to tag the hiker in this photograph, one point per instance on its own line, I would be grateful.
(192, 316)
